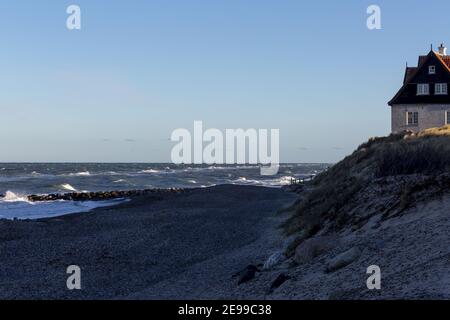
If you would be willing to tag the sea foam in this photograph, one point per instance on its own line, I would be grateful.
(19, 207)
(13, 197)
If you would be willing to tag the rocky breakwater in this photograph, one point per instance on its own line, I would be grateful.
(101, 195)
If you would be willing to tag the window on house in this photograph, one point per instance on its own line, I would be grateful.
(423, 89)
(412, 118)
(440, 88)
(447, 117)
(432, 70)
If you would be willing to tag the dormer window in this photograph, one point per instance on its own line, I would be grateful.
(440, 88)
(423, 89)
(432, 70)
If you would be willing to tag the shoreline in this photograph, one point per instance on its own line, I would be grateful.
(85, 201)
(158, 245)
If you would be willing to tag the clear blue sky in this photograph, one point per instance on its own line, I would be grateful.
(137, 70)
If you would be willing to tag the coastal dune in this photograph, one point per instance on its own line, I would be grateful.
(384, 208)
(380, 213)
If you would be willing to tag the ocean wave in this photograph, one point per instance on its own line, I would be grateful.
(217, 168)
(208, 186)
(111, 173)
(80, 174)
(275, 182)
(14, 197)
(22, 177)
(286, 180)
(89, 173)
(168, 170)
(237, 167)
(246, 181)
(12, 179)
(30, 210)
(149, 171)
(68, 187)
(38, 179)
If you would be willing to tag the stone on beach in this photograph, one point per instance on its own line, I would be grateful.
(312, 248)
(282, 278)
(343, 259)
(247, 274)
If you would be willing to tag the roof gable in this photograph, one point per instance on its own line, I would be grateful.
(413, 75)
(445, 60)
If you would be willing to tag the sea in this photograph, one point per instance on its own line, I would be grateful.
(18, 180)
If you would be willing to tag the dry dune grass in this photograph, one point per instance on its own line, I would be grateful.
(441, 131)
(426, 153)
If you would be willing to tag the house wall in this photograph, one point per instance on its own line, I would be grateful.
(430, 115)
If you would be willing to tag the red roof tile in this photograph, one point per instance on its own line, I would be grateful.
(446, 60)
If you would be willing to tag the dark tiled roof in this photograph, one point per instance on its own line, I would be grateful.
(421, 60)
(410, 71)
(413, 75)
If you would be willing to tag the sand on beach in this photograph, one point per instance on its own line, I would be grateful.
(191, 245)
(172, 246)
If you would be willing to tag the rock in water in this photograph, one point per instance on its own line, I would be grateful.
(102, 195)
(343, 259)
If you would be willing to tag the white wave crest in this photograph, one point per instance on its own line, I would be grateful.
(68, 187)
(36, 210)
(80, 174)
(276, 182)
(149, 171)
(13, 197)
(286, 180)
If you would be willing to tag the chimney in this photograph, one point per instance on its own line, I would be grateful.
(442, 50)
